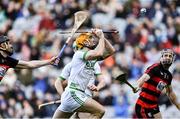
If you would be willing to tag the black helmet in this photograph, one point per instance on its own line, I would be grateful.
(3, 39)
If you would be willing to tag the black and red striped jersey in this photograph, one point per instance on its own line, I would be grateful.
(151, 89)
(5, 64)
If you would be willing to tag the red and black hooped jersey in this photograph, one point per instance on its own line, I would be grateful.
(151, 89)
(5, 64)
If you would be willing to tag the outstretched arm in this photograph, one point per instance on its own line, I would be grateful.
(34, 64)
(141, 81)
(172, 96)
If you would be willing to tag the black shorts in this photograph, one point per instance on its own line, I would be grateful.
(142, 112)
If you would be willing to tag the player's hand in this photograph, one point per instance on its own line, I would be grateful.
(136, 89)
(93, 87)
(98, 32)
(54, 60)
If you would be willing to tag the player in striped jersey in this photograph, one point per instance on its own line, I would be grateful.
(6, 61)
(74, 98)
(155, 79)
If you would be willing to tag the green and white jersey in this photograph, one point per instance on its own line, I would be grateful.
(97, 70)
(65, 72)
(81, 72)
(67, 69)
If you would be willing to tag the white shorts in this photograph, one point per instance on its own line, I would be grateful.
(72, 100)
(89, 93)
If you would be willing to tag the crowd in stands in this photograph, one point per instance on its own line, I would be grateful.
(34, 25)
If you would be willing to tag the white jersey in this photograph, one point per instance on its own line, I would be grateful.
(67, 70)
(82, 72)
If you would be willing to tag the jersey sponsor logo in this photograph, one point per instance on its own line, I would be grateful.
(90, 65)
(88, 72)
(161, 85)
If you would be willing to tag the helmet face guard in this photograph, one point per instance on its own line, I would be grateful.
(167, 57)
(5, 39)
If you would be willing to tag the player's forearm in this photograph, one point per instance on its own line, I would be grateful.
(36, 63)
(110, 49)
(100, 85)
(32, 64)
(140, 83)
(142, 79)
(173, 99)
(100, 47)
(58, 86)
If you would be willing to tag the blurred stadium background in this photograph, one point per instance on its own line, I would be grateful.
(33, 26)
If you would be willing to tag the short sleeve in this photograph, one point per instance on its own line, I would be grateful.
(65, 72)
(80, 55)
(151, 70)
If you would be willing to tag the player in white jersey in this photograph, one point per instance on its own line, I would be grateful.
(61, 83)
(82, 71)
